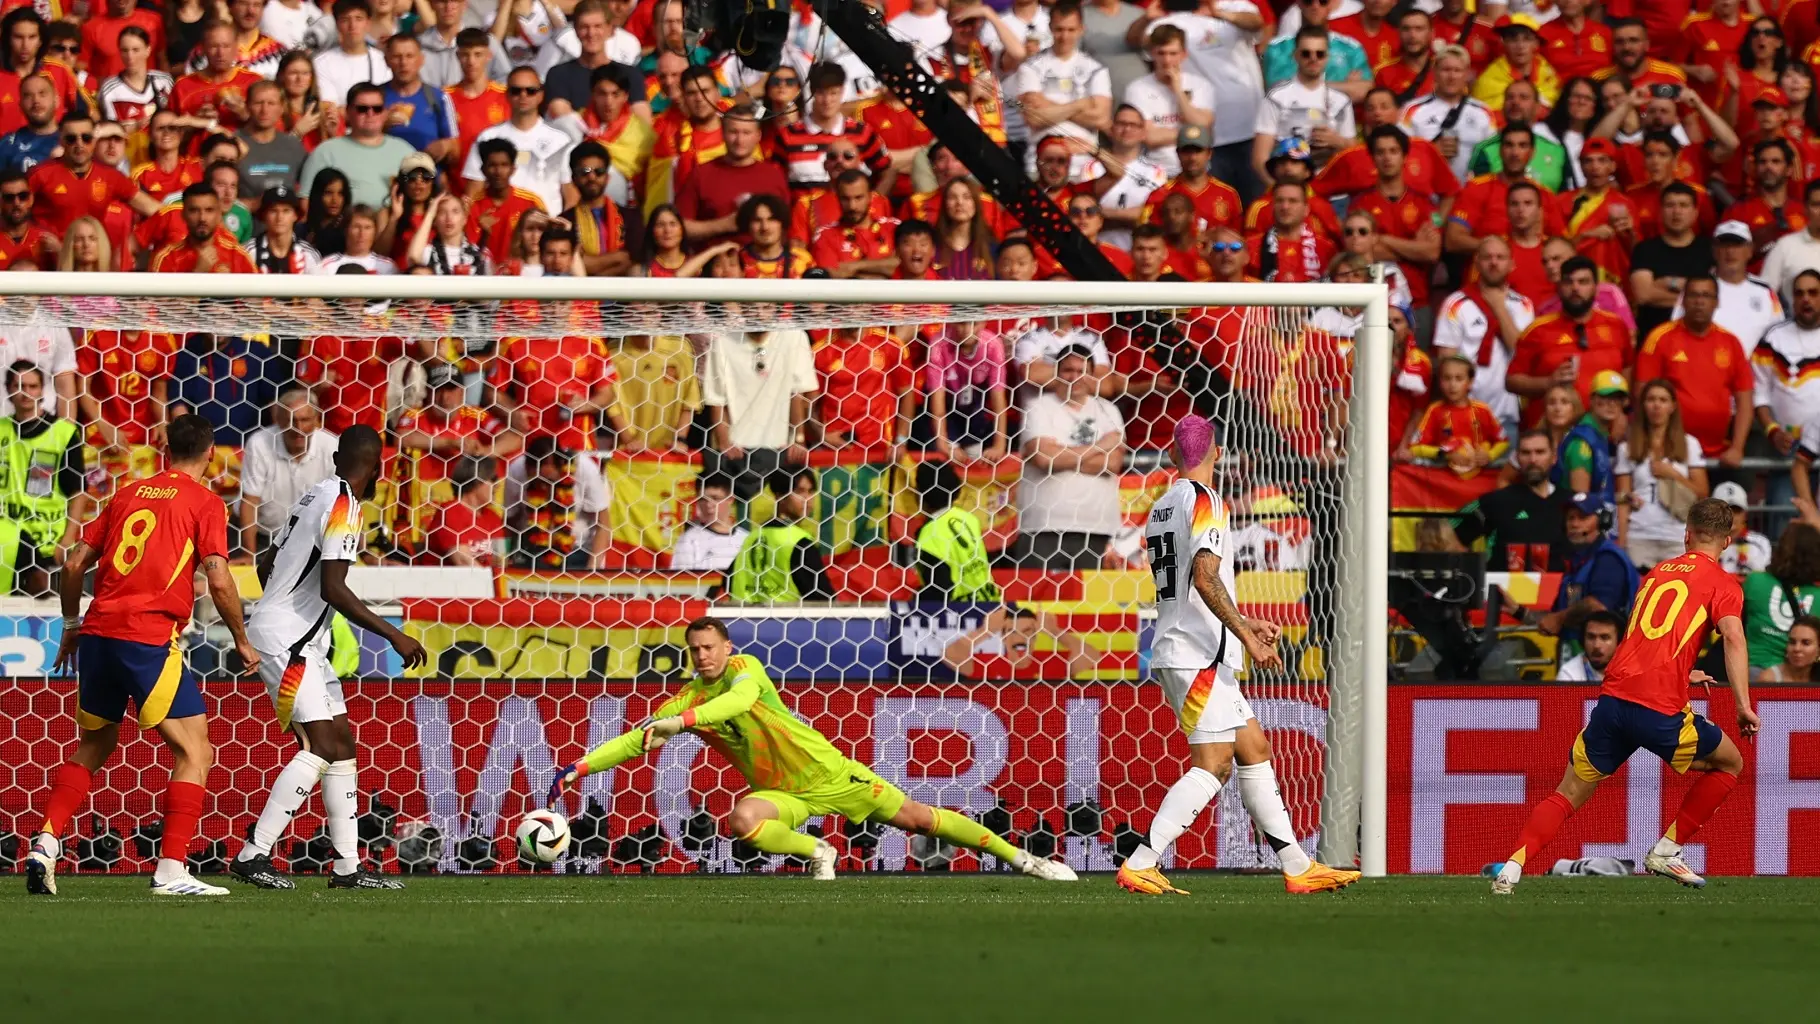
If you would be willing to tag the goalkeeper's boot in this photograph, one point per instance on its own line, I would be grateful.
(1148, 881)
(185, 885)
(258, 871)
(1319, 878)
(41, 867)
(1673, 868)
(822, 861)
(1043, 868)
(364, 878)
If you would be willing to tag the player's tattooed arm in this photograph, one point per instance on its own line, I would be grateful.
(1207, 583)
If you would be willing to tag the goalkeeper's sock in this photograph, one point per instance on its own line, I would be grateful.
(182, 809)
(69, 787)
(1264, 802)
(962, 831)
(1544, 821)
(340, 785)
(1698, 805)
(292, 788)
(1184, 803)
(772, 837)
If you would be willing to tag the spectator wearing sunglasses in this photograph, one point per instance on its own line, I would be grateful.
(1569, 347)
(1227, 256)
(1307, 106)
(74, 185)
(1348, 69)
(543, 150)
(22, 238)
(367, 155)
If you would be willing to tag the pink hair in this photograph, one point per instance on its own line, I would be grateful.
(1193, 440)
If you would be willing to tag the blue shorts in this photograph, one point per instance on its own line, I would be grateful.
(1617, 728)
(152, 675)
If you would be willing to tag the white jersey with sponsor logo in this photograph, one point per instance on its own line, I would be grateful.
(1188, 519)
(291, 615)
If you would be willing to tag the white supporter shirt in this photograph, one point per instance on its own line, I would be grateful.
(543, 159)
(1746, 309)
(1653, 521)
(1749, 553)
(1143, 175)
(1461, 324)
(700, 549)
(1157, 103)
(1225, 55)
(1425, 115)
(291, 617)
(1043, 345)
(1294, 110)
(1792, 253)
(372, 262)
(1779, 363)
(48, 348)
(1066, 501)
(1188, 519)
(1036, 38)
(758, 404)
(288, 24)
(1062, 80)
(1578, 670)
(270, 474)
(924, 32)
(337, 71)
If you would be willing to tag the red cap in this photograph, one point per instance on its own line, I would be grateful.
(1598, 147)
(1051, 142)
(1773, 96)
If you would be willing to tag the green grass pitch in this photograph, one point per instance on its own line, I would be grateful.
(923, 948)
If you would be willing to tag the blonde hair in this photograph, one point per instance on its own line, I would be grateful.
(66, 260)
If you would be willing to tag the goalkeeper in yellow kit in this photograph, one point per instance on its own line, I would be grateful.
(794, 772)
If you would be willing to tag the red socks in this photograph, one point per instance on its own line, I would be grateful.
(1544, 821)
(69, 788)
(182, 808)
(1701, 801)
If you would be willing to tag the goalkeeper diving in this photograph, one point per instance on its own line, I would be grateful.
(794, 772)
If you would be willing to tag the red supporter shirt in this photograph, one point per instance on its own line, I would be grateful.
(64, 195)
(861, 379)
(193, 92)
(1553, 339)
(1583, 211)
(1706, 369)
(717, 188)
(1653, 72)
(1479, 38)
(459, 526)
(101, 39)
(545, 375)
(474, 115)
(819, 208)
(183, 257)
(1680, 602)
(1763, 220)
(1407, 405)
(840, 244)
(1302, 259)
(463, 423)
(355, 370)
(1648, 200)
(151, 537)
(491, 222)
(1351, 170)
(1528, 277)
(898, 129)
(156, 182)
(1705, 41)
(1403, 217)
(1575, 54)
(120, 367)
(1380, 47)
(1321, 214)
(793, 262)
(1445, 427)
(1216, 203)
(1482, 207)
(37, 246)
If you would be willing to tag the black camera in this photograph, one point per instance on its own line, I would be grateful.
(1665, 91)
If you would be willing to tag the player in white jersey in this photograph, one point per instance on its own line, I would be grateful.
(1200, 646)
(304, 573)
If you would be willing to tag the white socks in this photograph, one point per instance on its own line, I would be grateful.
(293, 787)
(169, 870)
(1666, 847)
(340, 785)
(1264, 802)
(1186, 800)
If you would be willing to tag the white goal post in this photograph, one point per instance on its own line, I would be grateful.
(1355, 661)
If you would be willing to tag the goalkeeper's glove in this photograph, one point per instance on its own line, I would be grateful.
(566, 778)
(659, 732)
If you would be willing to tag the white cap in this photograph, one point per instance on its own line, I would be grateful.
(1732, 494)
(1733, 229)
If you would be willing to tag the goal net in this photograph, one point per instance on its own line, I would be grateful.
(572, 465)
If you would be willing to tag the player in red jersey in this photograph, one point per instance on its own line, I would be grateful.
(146, 545)
(1643, 702)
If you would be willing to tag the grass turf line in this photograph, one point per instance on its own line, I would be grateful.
(919, 947)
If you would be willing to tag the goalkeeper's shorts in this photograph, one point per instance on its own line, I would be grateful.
(856, 793)
(1208, 703)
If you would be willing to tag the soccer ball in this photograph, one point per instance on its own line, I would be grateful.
(543, 836)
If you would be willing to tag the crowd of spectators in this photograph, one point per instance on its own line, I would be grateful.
(1600, 224)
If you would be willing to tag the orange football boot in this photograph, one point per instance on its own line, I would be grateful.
(1149, 882)
(1319, 878)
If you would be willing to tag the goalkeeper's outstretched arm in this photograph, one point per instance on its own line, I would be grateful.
(669, 720)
